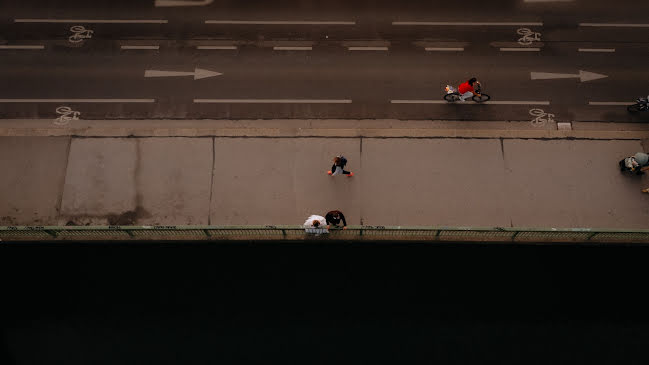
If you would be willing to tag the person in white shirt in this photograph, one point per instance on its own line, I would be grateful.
(315, 224)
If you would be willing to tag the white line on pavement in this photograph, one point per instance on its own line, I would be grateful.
(548, 1)
(216, 47)
(94, 21)
(288, 48)
(628, 25)
(279, 22)
(609, 50)
(609, 103)
(456, 49)
(140, 47)
(367, 48)
(77, 100)
(520, 49)
(278, 101)
(503, 102)
(40, 46)
(495, 24)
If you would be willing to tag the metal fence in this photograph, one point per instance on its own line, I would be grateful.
(352, 233)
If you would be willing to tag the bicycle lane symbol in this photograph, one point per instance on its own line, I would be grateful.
(541, 117)
(528, 36)
(66, 114)
(79, 34)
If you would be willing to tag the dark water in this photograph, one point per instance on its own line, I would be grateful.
(323, 303)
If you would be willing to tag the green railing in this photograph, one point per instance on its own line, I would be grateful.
(353, 233)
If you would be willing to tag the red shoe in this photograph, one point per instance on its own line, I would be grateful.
(329, 172)
(350, 174)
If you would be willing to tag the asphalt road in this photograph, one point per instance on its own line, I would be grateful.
(416, 49)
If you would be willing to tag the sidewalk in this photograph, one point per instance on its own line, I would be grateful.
(437, 181)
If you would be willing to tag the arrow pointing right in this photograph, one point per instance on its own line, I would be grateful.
(582, 75)
(198, 73)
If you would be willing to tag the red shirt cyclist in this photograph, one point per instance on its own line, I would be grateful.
(466, 89)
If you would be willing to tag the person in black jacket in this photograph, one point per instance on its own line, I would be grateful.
(339, 167)
(334, 217)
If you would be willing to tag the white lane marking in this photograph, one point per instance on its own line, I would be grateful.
(40, 46)
(494, 24)
(198, 73)
(367, 48)
(94, 21)
(163, 3)
(609, 103)
(541, 117)
(609, 50)
(77, 100)
(501, 102)
(626, 25)
(277, 22)
(520, 49)
(216, 47)
(79, 34)
(66, 114)
(288, 48)
(456, 49)
(140, 47)
(277, 101)
(582, 76)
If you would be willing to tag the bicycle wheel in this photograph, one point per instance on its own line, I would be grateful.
(634, 108)
(452, 97)
(482, 98)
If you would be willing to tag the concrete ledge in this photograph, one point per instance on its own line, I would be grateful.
(320, 128)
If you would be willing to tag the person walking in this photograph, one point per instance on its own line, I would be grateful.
(315, 224)
(339, 167)
(334, 217)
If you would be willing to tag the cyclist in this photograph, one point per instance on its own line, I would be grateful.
(466, 89)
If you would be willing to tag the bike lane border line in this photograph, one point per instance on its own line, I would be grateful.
(127, 47)
(497, 102)
(280, 22)
(95, 21)
(602, 50)
(520, 49)
(490, 24)
(272, 101)
(605, 103)
(25, 47)
(77, 100)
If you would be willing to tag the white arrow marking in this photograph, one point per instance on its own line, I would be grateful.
(582, 75)
(163, 3)
(198, 73)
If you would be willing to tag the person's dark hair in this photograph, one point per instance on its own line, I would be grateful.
(337, 160)
(472, 80)
(316, 223)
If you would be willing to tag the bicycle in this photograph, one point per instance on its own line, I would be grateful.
(452, 95)
(641, 105)
(79, 33)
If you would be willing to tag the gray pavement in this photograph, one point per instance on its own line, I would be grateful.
(266, 181)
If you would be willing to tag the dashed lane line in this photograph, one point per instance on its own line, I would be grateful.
(488, 24)
(77, 100)
(623, 25)
(520, 49)
(289, 48)
(274, 101)
(500, 102)
(216, 47)
(280, 22)
(604, 103)
(606, 50)
(94, 21)
(39, 46)
(449, 49)
(140, 47)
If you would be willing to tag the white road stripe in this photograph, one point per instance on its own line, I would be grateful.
(548, 1)
(275, 101)
(609, 103)
(288, 48)
(520, 49)
(457, 49)
(77, 100)
(367, 48)
(627, 25)
(216, 47)
(609, 50)
(40, 46)
(94, 21)
(278, 22)
(495, 24)
(140, 47)
(502, 102)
